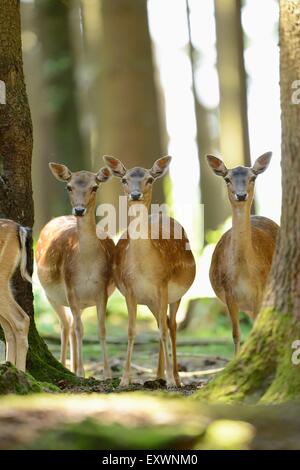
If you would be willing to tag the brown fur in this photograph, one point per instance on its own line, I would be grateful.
(172, 258)
(242, 258)
(255, 265)
(75, 267)
(58, 254)
(13, 319)
(155, 272)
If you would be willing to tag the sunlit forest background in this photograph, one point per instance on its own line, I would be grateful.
(138, 81)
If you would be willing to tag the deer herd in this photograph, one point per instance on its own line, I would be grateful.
(78, 267)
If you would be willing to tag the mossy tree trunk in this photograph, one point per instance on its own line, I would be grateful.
(264, 370)
(16, 201)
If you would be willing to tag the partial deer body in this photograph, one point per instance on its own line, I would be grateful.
(75, 267)
(152, 270)
(14, 321)
(242, 258)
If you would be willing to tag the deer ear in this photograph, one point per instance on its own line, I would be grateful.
(262, 163)
(160, 167)
(60, 172)
(216, 164)
(116, 166)
(103, 175)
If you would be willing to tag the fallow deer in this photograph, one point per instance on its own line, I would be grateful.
(75, 267)
(155, 269)
(242, 258)
(13, 319)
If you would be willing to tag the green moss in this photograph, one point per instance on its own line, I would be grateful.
(42, 365)
(262, 371)
(92, 435)
(14, 381)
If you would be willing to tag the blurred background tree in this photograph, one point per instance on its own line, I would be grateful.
(58, 75)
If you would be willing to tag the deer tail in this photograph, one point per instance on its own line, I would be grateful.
(24, 238)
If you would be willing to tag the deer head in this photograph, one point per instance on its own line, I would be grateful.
(240, 180)
(137, 182)
(81, 186)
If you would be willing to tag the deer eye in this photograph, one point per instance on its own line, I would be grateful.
(150, 180)
(252, 179)
(124, 180)
(94, 189)
(69, 188)
(227, 180)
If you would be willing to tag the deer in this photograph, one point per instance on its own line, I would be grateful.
(14, 320)
(242, 258)
(156, 269)
(75, 266)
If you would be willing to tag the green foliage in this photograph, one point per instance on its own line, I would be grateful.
(213, 236)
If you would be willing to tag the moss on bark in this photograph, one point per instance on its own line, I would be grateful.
(263, 371)
(14, 381)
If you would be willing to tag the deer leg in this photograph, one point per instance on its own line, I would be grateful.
(22, 340)
(10, 340)
(164, 334)
(78, 329)
(161, 372)
(131, 306)
(66, 321)
(19, 322)
(73, 351)
(173, 330)
(76, 335)
(101, 313)
(235, 322)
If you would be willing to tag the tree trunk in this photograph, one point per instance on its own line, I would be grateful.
(54, 33)
(232, 81)
(16, 201)
(41, 121)
(216, 207)
(264, 370)
(128, 115)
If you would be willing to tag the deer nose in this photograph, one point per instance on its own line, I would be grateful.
(136, 196)
(79, 211)
(241, 196)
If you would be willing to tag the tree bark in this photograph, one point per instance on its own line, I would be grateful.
(286, 270)
(128, 114)
(16, 201)
(264, 370)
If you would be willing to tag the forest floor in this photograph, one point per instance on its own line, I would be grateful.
(142, 420)
(97, 414)
(196, 368)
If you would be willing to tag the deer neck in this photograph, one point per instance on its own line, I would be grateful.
(86, 227)
(241, 241)
(139, 218)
